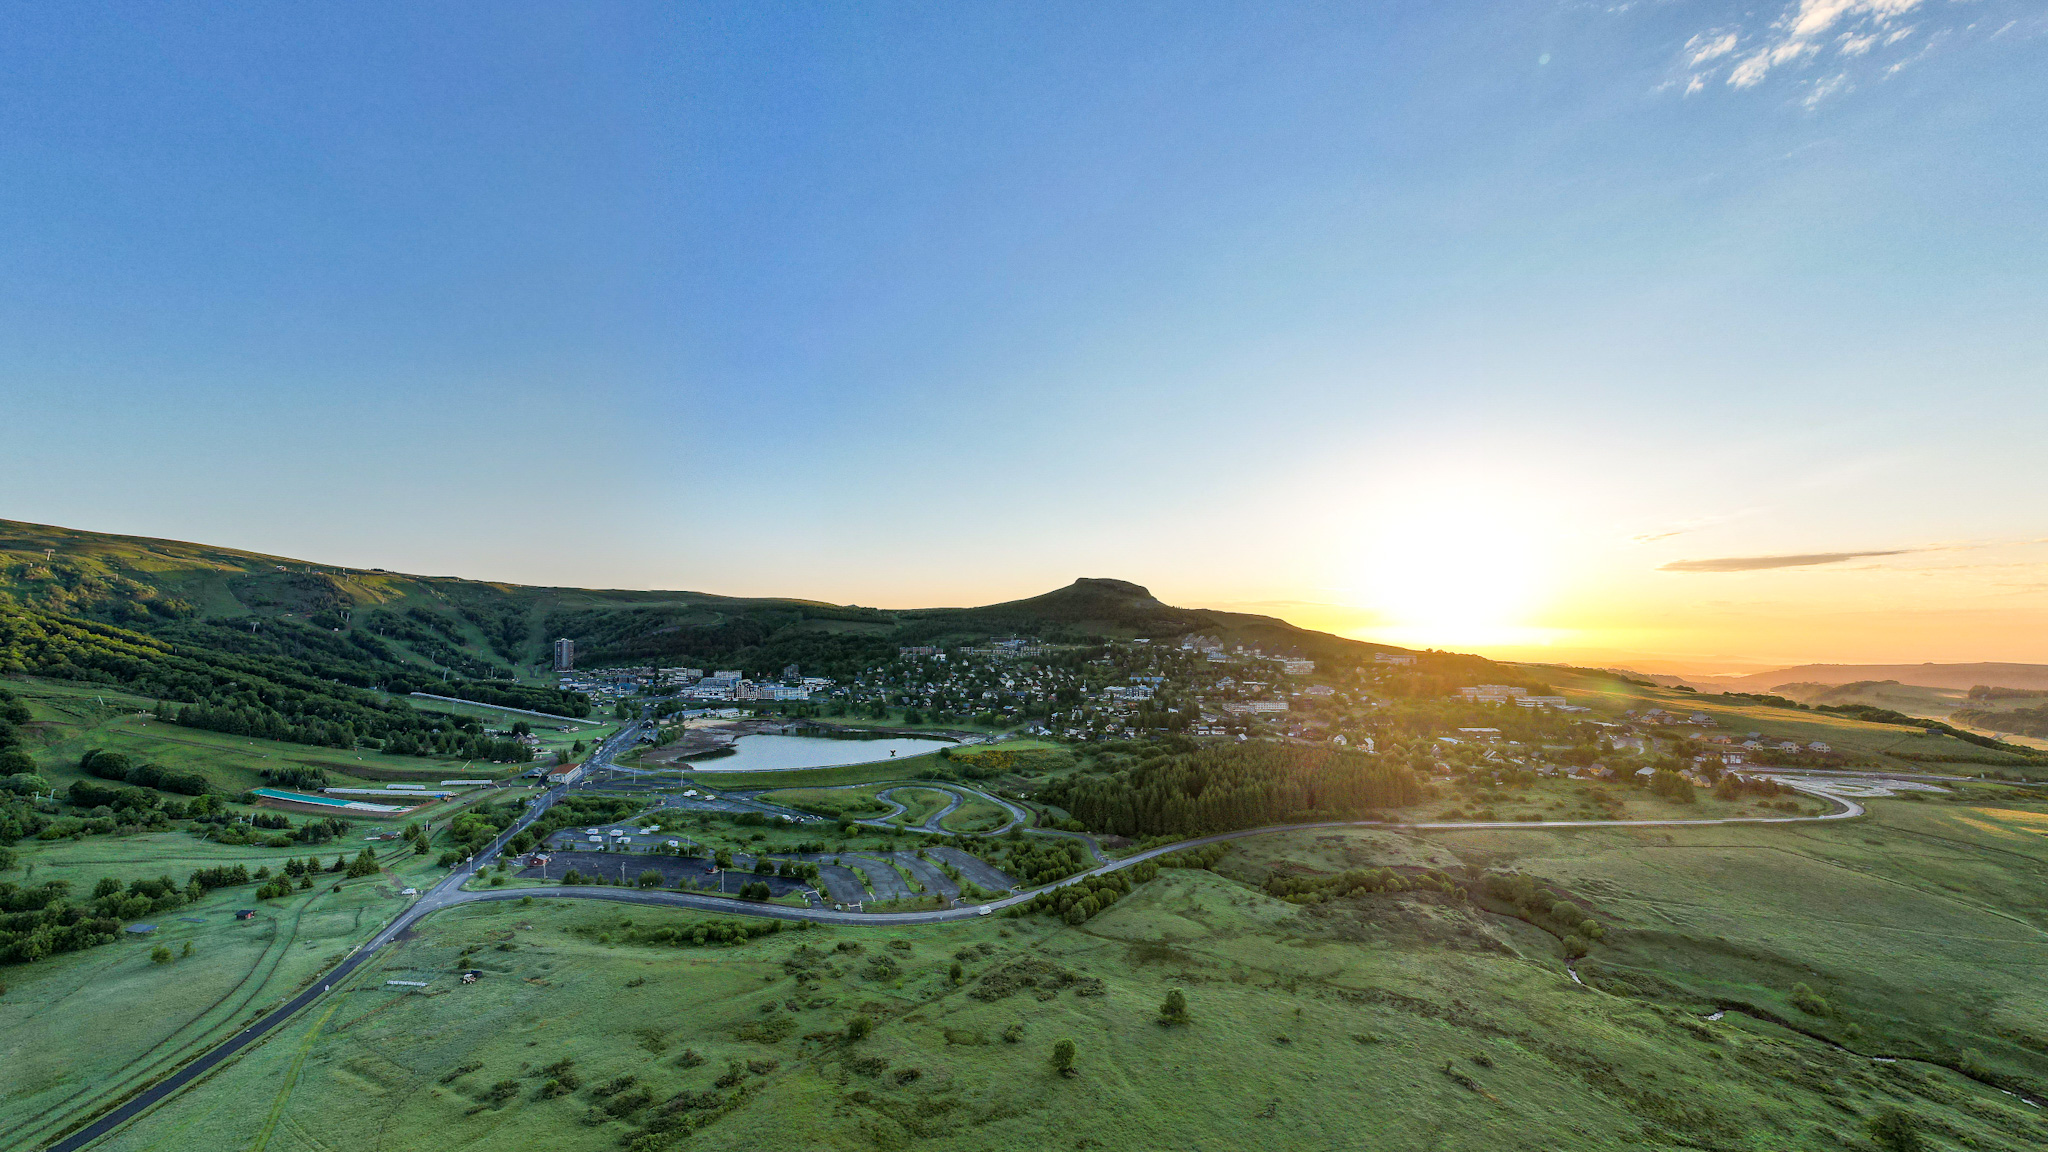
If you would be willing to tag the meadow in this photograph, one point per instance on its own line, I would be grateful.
(1883, 746)
(1761, 988)
(975, 816)
(71, 719)
(80, 1029)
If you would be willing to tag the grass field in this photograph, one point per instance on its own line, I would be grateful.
(1380, 1022)
(975, 816)
(918, 805)
(83, 1027)
(70, 719)
(152, 854)
(1878, 745)
(829, 802)
(590, 732)
(1561, 798)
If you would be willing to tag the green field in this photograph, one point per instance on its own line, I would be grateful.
(85, 1027)
(829, 801)
(589, 733)
(918, 805)
(72, 718)
(1885, 746)
(976, 816)
(1406, 1021)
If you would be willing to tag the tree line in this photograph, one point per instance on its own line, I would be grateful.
(1224, 787)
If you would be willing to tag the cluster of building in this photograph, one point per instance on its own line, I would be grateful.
(725, 684)
(1518, 696)
(733, 684)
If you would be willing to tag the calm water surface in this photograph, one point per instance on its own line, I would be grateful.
(768, 753)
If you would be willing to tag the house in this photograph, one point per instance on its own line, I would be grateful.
(1300, 667)
(1319, 690)
(1818, 746)
(245, 913)
(1391, 658)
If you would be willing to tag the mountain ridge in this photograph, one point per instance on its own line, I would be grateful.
(485, 628)
(1930, 674)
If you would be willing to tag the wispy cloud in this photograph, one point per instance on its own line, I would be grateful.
(1681, 527)
(1742, 57)
(1759, 563)
(1822, 89)
(1711, 45)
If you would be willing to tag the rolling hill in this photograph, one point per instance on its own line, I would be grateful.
(453, 629)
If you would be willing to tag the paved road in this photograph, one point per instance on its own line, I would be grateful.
(449, 893)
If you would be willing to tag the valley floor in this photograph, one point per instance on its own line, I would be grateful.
(1393, 1021)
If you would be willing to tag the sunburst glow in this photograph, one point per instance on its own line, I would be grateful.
(1466, 566)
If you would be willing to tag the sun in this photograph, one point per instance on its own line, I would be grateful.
(1455, 567)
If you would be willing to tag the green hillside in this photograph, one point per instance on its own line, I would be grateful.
(454, 629)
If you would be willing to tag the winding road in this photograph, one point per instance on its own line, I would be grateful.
(449, 893)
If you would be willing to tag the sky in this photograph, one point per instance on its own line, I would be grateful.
(1690, 332)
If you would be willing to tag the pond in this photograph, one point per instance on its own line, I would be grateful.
(767, 753)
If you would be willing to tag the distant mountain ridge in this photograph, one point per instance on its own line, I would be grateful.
(1930, 675)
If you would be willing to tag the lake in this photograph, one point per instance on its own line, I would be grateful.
(766, 753)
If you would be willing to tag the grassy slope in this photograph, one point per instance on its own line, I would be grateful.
(71, 718)
(84, 1026)
(1610, 698)
(227, 583)
(1281, 998)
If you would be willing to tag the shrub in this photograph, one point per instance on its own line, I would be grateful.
(1063, 1057)
(1895, 1130)
(1175, 1009)
(1810, 1002)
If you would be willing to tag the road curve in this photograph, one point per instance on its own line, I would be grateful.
(449, 893)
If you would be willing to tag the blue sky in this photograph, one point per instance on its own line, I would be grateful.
(1325, 308)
